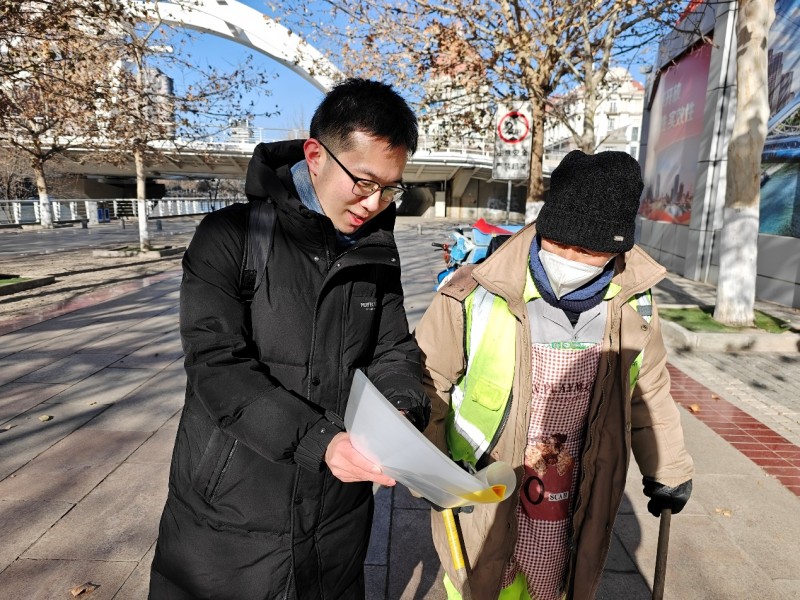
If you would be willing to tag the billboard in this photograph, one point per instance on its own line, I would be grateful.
(780, 162)
(676, 129)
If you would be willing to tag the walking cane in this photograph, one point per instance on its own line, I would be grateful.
(661, 554)
(456, 552)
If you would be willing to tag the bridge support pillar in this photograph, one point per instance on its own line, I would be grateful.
(459, 183)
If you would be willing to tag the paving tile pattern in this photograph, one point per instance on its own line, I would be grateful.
(82, 301)
(771, 451)
(80, 494)
(763, 385)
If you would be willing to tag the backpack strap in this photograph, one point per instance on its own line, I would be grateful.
(258, 238)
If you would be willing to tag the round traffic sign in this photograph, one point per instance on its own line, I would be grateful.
(513, 127)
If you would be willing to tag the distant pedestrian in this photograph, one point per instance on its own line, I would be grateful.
(549, 356)
(267, 497)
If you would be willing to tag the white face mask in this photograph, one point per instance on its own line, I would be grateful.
(567, 275)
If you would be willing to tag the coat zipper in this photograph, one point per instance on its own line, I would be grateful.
(225, 466)
(329, 264)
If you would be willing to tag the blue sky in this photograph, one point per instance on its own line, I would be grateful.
(291, 95)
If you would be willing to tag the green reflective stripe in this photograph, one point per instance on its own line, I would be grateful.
(452, 592)
(462, 439)
(518, 590)
(635, 368)
(468, 310)
(492, 365)
(643, 304)
(479, 399)
(460, 448)
(613, 290)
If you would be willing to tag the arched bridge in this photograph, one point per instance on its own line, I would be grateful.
(244, 25)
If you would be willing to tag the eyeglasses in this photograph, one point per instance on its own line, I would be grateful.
(367, 187)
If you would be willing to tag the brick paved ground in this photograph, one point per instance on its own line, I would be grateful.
(80, 494)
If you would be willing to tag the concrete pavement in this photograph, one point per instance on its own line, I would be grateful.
(25, 242)
(89, 402)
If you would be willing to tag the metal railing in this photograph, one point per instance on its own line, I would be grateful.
(96, 211)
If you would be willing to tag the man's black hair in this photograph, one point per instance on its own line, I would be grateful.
(367, 106)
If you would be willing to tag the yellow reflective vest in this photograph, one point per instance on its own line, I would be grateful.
(480, 400)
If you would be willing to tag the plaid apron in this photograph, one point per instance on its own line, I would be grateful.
(562, 385)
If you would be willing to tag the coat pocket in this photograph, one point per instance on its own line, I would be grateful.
(486, 393)
(213, 464)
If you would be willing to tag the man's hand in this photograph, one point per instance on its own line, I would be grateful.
(348, 465)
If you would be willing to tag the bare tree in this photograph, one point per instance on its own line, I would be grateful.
(219, 189)
(148, 117)
(53, 65)
(30, 28)
(739, 238)
(578, 108)
(612, 32)
(15, 176)
(458, 59)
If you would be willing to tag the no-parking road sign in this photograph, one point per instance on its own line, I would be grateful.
(512, 147)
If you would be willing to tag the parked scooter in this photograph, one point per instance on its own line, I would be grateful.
(457, 252)
(471, 247)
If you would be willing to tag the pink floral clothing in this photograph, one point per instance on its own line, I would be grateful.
(563, 380)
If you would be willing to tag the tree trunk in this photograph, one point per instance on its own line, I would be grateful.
(736, 289)
(141, 200)
(536, 175)
(45, 209)
(587, 140)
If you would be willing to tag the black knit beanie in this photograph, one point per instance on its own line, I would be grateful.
(593, 201)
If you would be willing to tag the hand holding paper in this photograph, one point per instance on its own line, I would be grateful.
(385, 437)
(348, 464)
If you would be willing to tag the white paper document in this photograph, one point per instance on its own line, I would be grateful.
(383, 435)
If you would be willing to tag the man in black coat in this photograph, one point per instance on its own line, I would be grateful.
(267, 497)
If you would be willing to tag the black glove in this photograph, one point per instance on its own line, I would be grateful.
(416, 414)
(662, 496)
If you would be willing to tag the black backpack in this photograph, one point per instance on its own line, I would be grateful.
(258, 238)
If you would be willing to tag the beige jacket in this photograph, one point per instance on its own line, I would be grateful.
(646, 421)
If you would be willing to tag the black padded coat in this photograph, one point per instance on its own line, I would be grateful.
(253, 512)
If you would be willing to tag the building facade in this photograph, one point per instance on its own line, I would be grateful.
(617, 120)
(690, 110)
